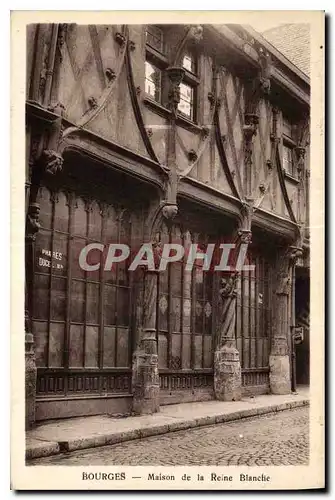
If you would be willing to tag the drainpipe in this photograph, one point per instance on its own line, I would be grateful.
(51, 65)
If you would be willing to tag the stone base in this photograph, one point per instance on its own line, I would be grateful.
(30, 382)
(280, 380)
(227, 374)
(145, 383)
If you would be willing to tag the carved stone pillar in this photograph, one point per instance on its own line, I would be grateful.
(145, 379)
(279, 360)
(227, 366)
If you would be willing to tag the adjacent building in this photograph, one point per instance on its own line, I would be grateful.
(163, 133)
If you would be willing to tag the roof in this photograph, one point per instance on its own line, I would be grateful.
(293, 40)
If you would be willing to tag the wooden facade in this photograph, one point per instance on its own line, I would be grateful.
(170, 133)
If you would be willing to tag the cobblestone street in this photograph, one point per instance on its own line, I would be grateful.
(274, 439)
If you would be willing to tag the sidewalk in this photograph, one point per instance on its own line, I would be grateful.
(71, 434)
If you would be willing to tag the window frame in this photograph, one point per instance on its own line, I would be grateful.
(192, 103)
(159, 60)
(146, 79)
(290, 148)
(290, 144)
(147, 30)
(192, 80)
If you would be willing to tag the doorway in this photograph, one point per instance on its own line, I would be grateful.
(302, 287)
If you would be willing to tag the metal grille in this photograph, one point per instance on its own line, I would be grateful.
(185, 310)
(254, 320)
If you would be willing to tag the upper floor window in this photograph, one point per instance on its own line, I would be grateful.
(153, 81)
(289, 145)
(156, 79)
(155, 63)
(189, 63)
(188, 88)
(288, 161)
(287, 127)
(186, 103)
(154, 37)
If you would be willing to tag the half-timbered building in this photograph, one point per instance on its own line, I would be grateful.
(163, 133)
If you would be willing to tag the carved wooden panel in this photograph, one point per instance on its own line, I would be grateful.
(156, 127)
(91, 81)
(81, 67)
(232, 121)
(58, 383)
(255, 377)
(102, 89)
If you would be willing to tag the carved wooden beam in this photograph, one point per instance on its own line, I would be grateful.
(249, 130)
(223, 157)
(51, 64)
(136, 107)
(194, 33)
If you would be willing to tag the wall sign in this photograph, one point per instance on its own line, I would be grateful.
(45, 262)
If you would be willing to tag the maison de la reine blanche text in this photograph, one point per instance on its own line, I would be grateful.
(151, 476)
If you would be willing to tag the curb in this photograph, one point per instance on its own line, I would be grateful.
(43, 450)
(54, 448)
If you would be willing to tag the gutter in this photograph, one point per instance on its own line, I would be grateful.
(235, 43)
(277, 54)
(250, 55)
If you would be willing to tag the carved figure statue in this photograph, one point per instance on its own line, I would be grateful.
(53, 161)
(170, 211)
(226, 326)
(32, 224)
(228, 286)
